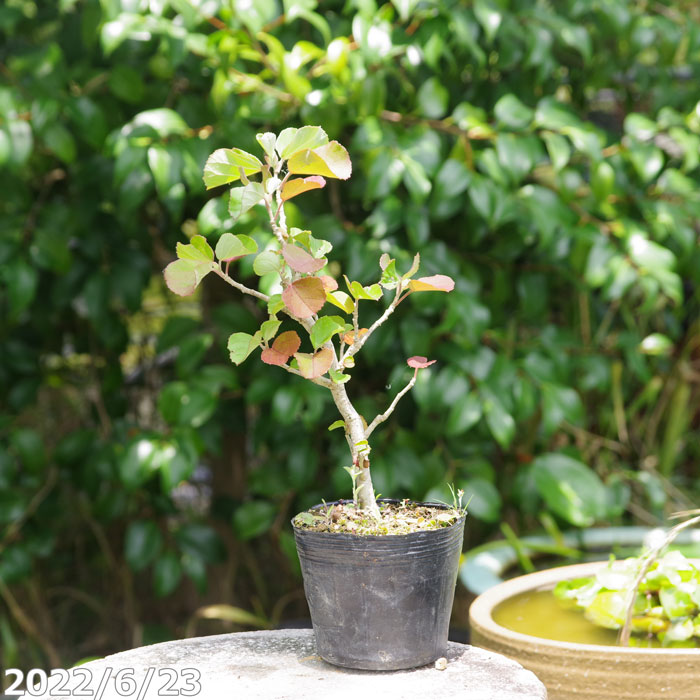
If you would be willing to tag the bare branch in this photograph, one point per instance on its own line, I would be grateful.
(359, 342)
(383, 416)
(240, 287)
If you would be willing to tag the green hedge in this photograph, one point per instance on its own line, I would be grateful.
(544, 155)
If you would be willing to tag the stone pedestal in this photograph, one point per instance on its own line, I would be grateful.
(283, 665)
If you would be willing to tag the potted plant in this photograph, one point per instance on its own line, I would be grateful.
(654, 602)
(379, 576)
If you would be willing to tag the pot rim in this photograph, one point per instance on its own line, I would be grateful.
(481, 611)
(432, 504)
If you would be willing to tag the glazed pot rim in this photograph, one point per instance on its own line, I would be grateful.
(432, 504)
(481, 611)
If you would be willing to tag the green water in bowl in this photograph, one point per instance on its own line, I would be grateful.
(540, 614)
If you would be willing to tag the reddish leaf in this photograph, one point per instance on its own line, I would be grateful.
(305, 297)
(418, 362)
(301, 261)
(435, 283)
(349, 338)
(331, 160)
(312, 366)
(329, 284)
(285, 345)
(294, 187)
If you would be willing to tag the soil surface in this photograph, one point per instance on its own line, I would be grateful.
(396, 518)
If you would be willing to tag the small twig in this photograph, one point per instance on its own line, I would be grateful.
(383, 416)
(359, 342)
(649, 559)
(240, 287)
(15, 526)
(30, 629)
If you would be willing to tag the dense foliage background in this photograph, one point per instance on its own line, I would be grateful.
(545, 155)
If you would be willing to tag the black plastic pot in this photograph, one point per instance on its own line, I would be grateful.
(380, 603)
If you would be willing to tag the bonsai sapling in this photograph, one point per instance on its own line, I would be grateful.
(297, 161)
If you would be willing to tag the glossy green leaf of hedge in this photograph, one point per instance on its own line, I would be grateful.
(509, 110)
(253, 518)
(142, 543)
(167, 574)
(570, 488)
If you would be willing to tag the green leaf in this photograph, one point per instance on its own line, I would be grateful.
(341, 300)
(560, 403)
(243, 199)
(305, 297)
(337, 424)
(558, 149)
(372, 292)
(269, 328)
(165, 122)
(569, 488)
(167, 573)
(225, 165)
(484, 499)
(183, 276)
(509, 110)
(331, 160)
(198, 250)
(240, 345)
(500, 422)
(275, 304)
(338, 377)
(253, 519)
(325, 328)
(267, 141)
(602, 180)
(267, 262)
(291, 140)
(648, 160)
(59, 140)
(489, 17)
(201, 541)
(232, 247)
(142, 543)
(464, 413)
(433, 99)
(22, 280)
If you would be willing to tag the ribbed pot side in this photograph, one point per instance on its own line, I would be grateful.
(380, 602)
(584, 671)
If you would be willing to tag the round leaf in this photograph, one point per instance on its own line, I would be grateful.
(305, 297)
(570, 488)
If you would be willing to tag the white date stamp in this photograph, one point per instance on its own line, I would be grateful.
(128, 683)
